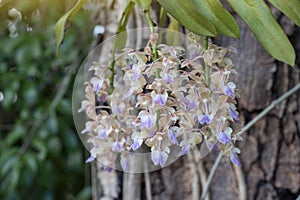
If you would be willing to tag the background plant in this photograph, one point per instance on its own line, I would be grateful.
(41, 156)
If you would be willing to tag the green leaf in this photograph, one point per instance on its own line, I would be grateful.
(265, 28)
(145, 4)
(40, 147)
(220, 17)
(185, 13)
(30, 162)
(18, 132)
(290, 8)
(172, 36)
(52, 123)
(8, 165)
(60, 24)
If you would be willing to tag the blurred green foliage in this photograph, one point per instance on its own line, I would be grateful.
(41, 156)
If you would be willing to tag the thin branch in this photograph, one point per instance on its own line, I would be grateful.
(269, 108)
(195, 178)
(241, 182)
(201, 171)
(245, 128)
(211, 175)
(148, 186)
(147, 182)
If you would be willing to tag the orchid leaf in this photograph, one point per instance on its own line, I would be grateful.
(220, 17)
(290, 8)
(61, 23)
(265, 28)
(185, 13)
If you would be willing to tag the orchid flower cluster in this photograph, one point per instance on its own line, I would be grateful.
(161, 103)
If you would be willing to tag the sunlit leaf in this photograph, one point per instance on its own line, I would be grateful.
(265, 28)
(290, 8)
(186, 13)
(220, 17)
(60, 24)
(121, 39)
(172, 36)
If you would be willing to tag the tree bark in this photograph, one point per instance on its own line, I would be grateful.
(270, 151)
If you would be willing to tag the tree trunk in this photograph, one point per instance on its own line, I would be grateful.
(270, 151)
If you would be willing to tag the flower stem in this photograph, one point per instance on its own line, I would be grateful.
(155, 56)
(211, 175)
(245, 128)
(153, 44)
(207, 68)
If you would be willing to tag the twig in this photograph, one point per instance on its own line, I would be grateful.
(211, 174)
(195, 178)
(269, 108)
(147, 182)
(201, 171)
(241, 182)
(245, 128)
(148, 186)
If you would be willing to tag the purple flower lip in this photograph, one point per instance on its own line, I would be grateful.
(159, 157)
(117, 146)
(103, 133)
(184, 150)
(97, 84)
(234, 159)
(223, 138)
(136, 74)
(204, 119)
(148, 120)
(90, 159)
(172, 136)
(229, 89)
(193, 105)
(234, 115)
(168, 78)
(160, 99)
(137, 143)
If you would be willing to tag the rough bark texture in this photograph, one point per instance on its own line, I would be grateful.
(270, 151)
